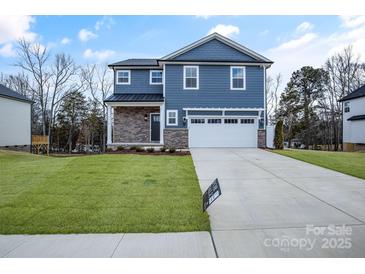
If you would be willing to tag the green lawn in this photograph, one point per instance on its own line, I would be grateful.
(101, 193)
(352, 163)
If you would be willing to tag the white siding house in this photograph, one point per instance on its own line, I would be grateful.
(15, 120)
(353, 111)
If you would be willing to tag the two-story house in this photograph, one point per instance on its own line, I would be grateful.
(210, 93)
(353, 119)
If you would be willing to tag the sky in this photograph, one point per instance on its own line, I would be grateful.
(290, 41)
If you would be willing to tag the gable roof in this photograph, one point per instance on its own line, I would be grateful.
(360, 92)
(11, 94)
(135, 62)
(221, 38)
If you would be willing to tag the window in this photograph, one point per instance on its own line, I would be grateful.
(123, 77)
(172, 117)
(155, 77)
(238, 78)
(347, 106)
(231, 121)
(191, 77)
(214, 121)
(247, 121)
(197, 121)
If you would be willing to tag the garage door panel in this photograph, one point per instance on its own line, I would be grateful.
(223, 135)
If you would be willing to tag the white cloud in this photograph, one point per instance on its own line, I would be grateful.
(304, 27)
(99, 55)
(7, 50)
(352, 21)
(86, 35)
(65, 41)
(298, 42)
(225, 30)
(205, 17)
(16, 27)
(313, 50)
(264, 32)
(105, 21)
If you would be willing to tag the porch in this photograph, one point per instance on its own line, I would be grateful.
(135, 119)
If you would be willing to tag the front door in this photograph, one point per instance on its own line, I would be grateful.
(155, 127)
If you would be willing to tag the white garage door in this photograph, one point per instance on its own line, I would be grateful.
(223, 132)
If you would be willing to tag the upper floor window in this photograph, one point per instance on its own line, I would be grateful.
(123, 77)
(347, 106)
(191, 77)
(155, 77)
(238, 78)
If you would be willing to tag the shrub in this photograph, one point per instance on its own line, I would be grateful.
(150, 150)
(109, 149)
(172, 150)
(279, 135)
(140, 149)
(119, 148)
(133, 148)
(163, 149)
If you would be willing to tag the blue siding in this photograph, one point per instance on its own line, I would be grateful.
(214, 89)
(214, 50)
(140, 83)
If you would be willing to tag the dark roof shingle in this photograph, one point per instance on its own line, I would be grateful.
(356, 117)
(135, 62)
(142, 97)
(7, 92)
(360, 92)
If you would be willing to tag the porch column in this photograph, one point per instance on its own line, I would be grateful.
(162, 122)
(109, 129)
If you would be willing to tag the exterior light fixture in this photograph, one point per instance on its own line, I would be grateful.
(145, 117)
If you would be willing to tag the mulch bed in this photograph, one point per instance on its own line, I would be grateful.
(157, 153)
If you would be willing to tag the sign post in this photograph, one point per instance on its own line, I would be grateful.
(211, 194)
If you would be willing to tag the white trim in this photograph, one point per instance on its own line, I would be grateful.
(197, 77)
(162, 123)
(222, 109)
(109, 125)
(176, 117)
(163, 80)
(156, 70)
(129, 76)
(244, 77)
(222, 39)
(214, 63)
(135, 67)
(154, 113)
(134, 104)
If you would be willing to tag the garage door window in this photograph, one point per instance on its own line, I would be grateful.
(214, 121)
(197, 121)
(247, 121)
(231, 121)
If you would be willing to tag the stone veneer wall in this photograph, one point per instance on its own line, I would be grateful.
(130, 125)
(261, 138)
(176, 137)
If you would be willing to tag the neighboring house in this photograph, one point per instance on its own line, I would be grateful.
(353, 116)
(15, 120)
(210, 93)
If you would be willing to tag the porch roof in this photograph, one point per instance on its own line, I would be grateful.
(142, 97)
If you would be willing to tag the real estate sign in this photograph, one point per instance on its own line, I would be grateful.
(211, 194)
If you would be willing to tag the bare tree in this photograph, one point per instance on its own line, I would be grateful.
(99, 82)
(346, 74)
(272, 95)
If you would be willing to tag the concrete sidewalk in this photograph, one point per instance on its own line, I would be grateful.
(139, 245)
(268, 200)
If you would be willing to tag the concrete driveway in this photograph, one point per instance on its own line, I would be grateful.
(275, 206)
